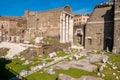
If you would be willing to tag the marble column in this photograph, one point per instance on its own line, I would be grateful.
(63, 29)
(0, 36)
(66, 30)
(71, 30)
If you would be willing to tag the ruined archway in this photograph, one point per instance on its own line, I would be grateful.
(79, 36)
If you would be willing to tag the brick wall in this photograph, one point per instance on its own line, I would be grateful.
(100, 28)
(117, 27)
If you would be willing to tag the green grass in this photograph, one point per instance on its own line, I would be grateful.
(114, 58)
(32, 42)
(44, 56)
(49, 60)
(109, 74)
(61, 54)
(76, 73)
(34, 59)
(41, 76)
(16, 65)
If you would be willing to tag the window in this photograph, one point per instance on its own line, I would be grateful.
(2, 26)
(83, 18)
(99, 38)
(90, 41)
(23, 31)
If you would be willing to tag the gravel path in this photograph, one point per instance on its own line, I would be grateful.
(66, 77)
(15, 49)
(84, 64)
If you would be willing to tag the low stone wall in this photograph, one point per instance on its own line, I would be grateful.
(55, 47)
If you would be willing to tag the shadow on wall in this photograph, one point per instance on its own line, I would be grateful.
(109, 29)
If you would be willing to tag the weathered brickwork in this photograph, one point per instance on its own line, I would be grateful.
(102, 29)
(56, 23)
(101, 32)
(12, 28)
(79, 29)
(47, 23)
(79, 34)
(117, 27)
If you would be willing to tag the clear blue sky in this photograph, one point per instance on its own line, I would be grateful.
(17, 7)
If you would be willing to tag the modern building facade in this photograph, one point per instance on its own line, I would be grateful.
(80, 19)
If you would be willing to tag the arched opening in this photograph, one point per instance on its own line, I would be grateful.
(108, 45)
(79, 36)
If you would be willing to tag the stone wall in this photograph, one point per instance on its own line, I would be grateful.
(55, 47)
(12, 26)
(45, 22)
(99, 29)
(49, 24)
(79, 39)
(117, 27)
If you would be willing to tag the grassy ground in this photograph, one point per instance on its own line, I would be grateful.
(61, 54)
(76, 73)
(17, 66)
(41, 76)
(109, 73)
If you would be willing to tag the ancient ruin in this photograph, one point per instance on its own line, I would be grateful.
(12, 28)
(52, 23)
(102, 29)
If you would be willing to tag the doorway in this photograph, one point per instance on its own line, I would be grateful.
(79, 36)
(109, 44)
